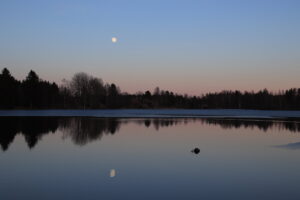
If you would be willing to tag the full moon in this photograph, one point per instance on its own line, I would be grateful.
(114, 39)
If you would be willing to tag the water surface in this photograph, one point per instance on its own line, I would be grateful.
(118, 158)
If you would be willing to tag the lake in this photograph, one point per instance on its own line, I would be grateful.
(149, 158)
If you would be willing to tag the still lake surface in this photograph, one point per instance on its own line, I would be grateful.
(148, 158)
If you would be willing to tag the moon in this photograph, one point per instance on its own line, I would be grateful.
(114, 39)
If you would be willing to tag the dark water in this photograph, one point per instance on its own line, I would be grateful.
(94, 158)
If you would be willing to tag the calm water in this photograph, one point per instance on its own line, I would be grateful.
(94, 158)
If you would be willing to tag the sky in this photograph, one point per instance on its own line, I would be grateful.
(185, 46)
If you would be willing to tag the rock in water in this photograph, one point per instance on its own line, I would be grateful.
(196, 150)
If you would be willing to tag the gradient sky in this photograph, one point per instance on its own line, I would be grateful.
(185, 46)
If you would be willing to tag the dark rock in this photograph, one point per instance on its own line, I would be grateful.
(196, 150)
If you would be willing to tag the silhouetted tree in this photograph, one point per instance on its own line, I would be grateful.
(96, 93)
(36, 93)
(112, 96)
(8, 90)
(79, 88)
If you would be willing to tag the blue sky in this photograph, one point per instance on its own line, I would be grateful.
(185, 46)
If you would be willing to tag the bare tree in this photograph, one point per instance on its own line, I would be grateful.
(79, 87)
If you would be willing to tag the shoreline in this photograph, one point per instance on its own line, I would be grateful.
(158, 113)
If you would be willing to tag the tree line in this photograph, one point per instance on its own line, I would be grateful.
(84, 91)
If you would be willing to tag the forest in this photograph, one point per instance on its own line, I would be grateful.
(84, 91)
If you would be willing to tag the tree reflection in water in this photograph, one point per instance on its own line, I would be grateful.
(83, 130)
